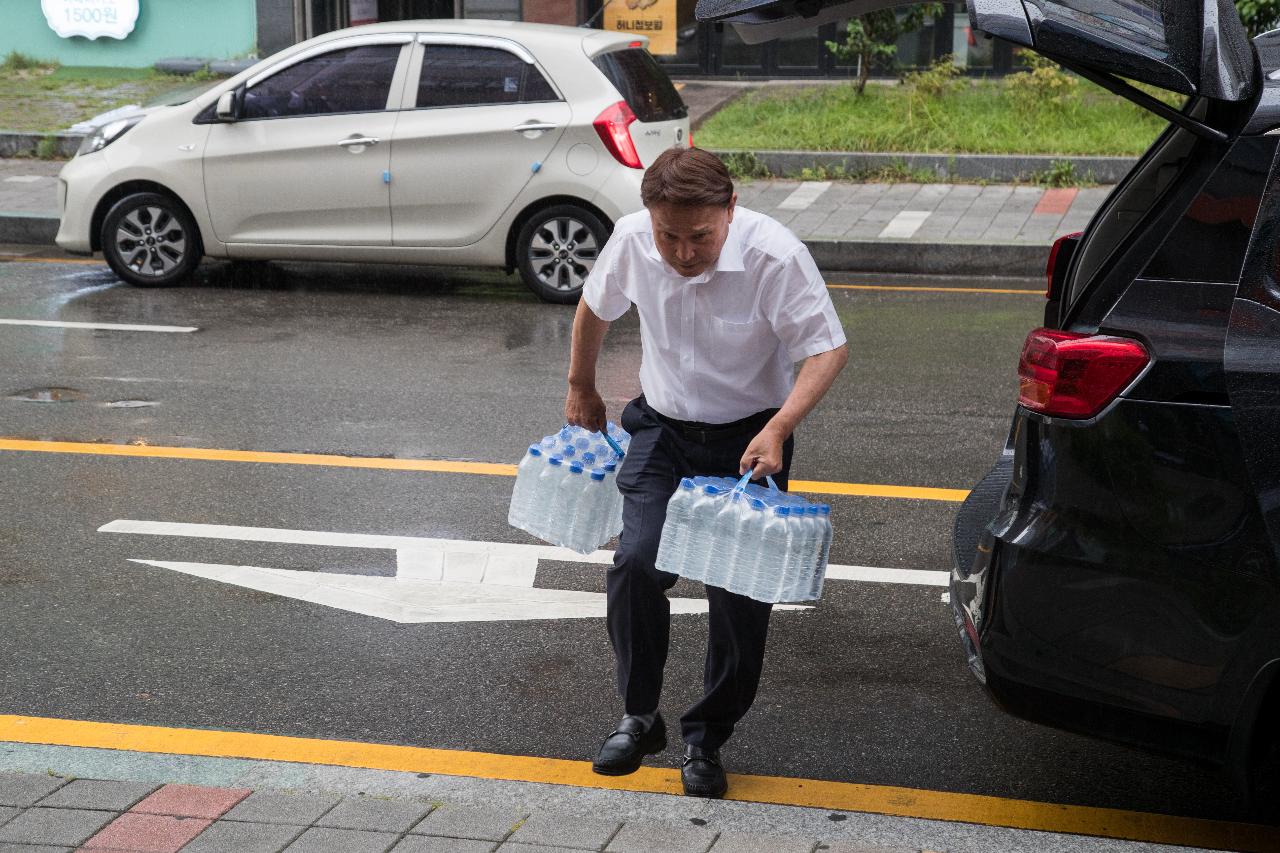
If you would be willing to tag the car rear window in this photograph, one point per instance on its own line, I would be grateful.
(643, 84)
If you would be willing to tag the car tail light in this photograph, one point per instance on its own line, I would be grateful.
(1070, 375)
(1053, 260)
(613, 126)
(691, 145)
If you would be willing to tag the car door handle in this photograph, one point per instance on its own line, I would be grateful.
(533, 125)
(358, 140)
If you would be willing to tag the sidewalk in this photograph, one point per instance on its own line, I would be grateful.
(956, 229)
(62, 798)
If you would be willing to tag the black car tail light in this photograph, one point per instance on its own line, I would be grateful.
(1071, 375)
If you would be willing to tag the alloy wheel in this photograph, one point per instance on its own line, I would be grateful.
(562, 252)
(151, 241)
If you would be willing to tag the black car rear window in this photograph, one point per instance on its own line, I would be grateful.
(643, 84)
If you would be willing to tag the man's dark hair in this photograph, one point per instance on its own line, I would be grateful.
(689, 177)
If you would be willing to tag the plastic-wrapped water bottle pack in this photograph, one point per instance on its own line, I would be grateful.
(566, 490)
(762, 543)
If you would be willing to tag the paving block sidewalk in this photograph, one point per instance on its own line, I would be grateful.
(46, 813)
(965, 229)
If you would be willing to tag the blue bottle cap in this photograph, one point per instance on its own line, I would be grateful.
(825, 509)
(588, 458)
(575, 467)
(611, 467)
(597, 475)
(712, 489)
(812, 509)
(554, 460)
(686, 483)
(535, 450)
(756, 503)
(568, 451)
(782, 510)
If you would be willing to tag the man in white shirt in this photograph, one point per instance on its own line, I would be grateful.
(729, 301)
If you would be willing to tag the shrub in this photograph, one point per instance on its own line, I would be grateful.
(1045, 84)
(745, 165)
(18, 61)
(938, 79)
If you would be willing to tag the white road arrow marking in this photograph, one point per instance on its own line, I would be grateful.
(411, 601)
(437, 580)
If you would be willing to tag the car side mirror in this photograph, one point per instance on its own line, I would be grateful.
(228, 108)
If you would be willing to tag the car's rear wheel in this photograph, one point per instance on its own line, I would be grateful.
(150, 240)
(556, 249)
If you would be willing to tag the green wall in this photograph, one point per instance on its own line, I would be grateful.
(213, 29)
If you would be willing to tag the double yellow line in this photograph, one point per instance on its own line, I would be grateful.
(779, 790)
(815, 487)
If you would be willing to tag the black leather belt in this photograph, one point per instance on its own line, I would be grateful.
(702, 433)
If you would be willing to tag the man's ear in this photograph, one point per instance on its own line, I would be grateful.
(733, 200)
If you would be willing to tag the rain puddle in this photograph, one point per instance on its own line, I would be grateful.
(48, 395)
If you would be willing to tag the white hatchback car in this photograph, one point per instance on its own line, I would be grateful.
(459, 142)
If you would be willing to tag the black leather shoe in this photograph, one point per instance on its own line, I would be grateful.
(622, 751)
(702, 774)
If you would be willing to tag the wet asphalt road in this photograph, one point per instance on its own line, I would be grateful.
(869, 687)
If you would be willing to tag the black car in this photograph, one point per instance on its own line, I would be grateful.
(1116, 573)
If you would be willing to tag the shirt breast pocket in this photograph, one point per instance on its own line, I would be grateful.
(736, 347)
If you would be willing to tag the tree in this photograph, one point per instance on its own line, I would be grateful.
(1259, 15)
(873, 37)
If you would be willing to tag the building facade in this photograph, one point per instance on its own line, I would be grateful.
(74, 32)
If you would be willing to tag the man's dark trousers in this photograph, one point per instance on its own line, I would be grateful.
(661, 452)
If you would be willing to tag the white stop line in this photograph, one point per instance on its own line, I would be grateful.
(437, 580)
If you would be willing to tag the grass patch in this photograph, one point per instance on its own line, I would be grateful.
(47, 98)
(975, 117)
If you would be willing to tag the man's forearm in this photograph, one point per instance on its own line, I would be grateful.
(588, 337)
(814, 380)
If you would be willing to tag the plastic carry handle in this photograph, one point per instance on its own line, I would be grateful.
(742, 484)
(613, 444)
(768, 478)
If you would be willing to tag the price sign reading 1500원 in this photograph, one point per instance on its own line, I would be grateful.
(91, 19)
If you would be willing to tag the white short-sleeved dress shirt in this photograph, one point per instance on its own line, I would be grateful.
(722, 345)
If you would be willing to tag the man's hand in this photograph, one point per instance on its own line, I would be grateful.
(583, 407)
(764, 454)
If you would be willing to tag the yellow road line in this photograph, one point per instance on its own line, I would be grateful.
(817, 487)
(811, 793)
(934, 289)
(26, 260)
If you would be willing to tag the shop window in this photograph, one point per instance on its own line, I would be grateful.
(464, 76)
(493, 10)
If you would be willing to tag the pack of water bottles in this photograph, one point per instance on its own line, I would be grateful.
(762, 543)
(566, 490)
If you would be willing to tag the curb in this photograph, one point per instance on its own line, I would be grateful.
(1000, 168)
(976, 259)
(18, 144)
(28, 228)
(981, 259)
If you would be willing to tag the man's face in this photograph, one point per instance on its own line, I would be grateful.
(690, 238)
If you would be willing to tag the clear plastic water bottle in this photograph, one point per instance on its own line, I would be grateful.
(672, 548)
(524, 492)
(775, 542)
(727, 530)
(587, 522)
(699, 547)
(613, 524)
(824, 551)
(544, 492)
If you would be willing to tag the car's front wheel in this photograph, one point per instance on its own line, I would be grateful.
(150, 240)
(556, 249)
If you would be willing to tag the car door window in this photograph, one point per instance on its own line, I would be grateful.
(350, 80)
(464, 76)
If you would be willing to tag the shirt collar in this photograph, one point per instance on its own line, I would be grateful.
(730, 259)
